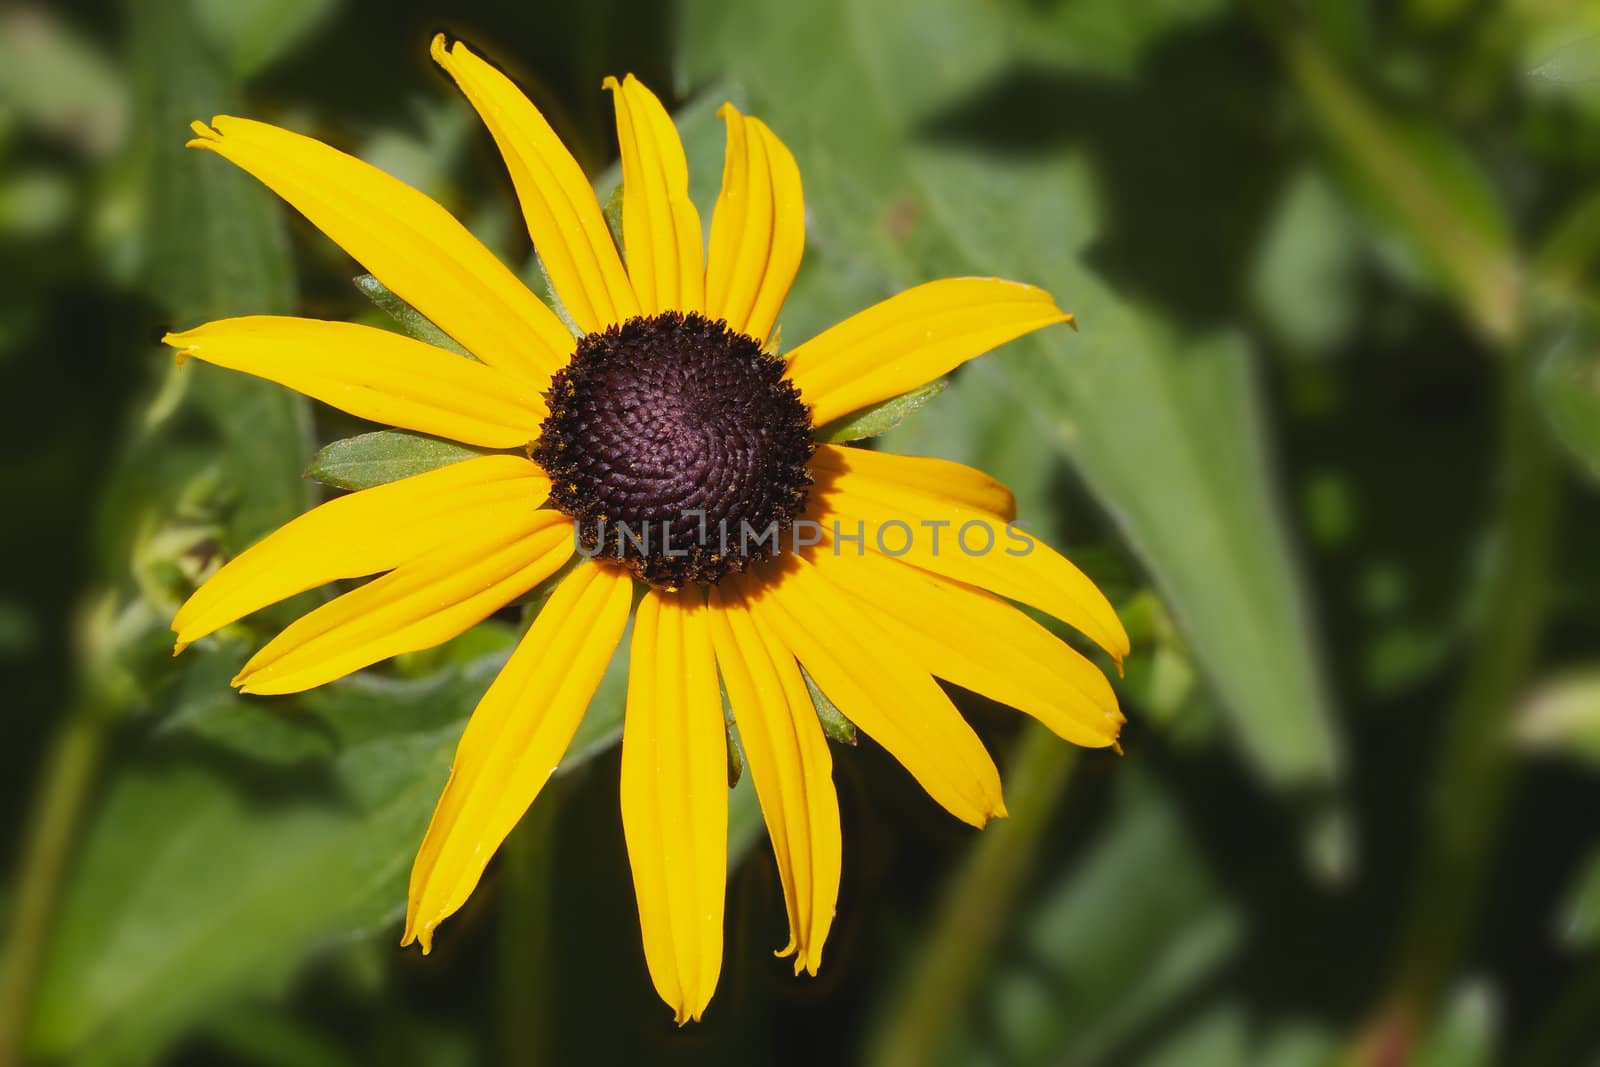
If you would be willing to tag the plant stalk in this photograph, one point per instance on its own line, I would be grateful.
(976, 910)
(55, 812)
(1477, 766)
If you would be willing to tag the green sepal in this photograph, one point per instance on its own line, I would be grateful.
(735, 757)
(835, 726)
(879, 418)
(553, 298)
(412, 321)
(612, 210)
(370, 459)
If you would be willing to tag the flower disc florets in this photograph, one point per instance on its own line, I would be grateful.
(677, 446)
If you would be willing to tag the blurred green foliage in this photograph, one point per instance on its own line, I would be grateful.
(1329, 435)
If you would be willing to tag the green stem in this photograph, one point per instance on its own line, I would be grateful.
(1481, 273)
(527, 910)
(976, 909)
(55, 811)
(1477, 765)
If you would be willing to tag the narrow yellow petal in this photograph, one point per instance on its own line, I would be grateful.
(422, 603)
(792, 768)
(981, 643)
(969, 546)
(558, 203)
(660, 226)
(758, 230)
(675, 797)
(515, 739)
(407, 241)
(955, 482)
(879, 687)
(374, 374)
(374, 530)
(912, 338)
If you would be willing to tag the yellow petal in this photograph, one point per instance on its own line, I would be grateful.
(558, 204)
(515, 739)
(912, 338)
(878, 686)
(660, 226)
(758, 230)
(969, 546)
(955, 482)
(374, 530)
(422, 603)
(407, 241)
(791, 766)
(374, 374)
(981, 643)
(675, 797)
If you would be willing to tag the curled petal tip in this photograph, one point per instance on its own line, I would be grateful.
(414, 936)
(438, 48)
(610, 82)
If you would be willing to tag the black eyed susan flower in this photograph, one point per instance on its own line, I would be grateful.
(657, 445)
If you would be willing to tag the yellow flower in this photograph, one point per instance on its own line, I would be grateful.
(661, 405)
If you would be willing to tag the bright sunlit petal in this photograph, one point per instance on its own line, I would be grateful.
(675, 797)
(558, 204)
(515, 739)
(660, 225)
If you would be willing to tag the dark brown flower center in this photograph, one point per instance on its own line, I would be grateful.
(678, 447)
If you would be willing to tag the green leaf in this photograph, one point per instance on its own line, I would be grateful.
(1224, 1036)
(1573, 68)
(1430, 198)
(1562, 716)
(199, 881)
(1105, 953)
(880, 418)
(1570, 250)
(382, 456)
(1304, 280)
(1465, 1033)
(1166, 430)
(216, 247)
(1579, 924)
(192, 886)
(1568, 386)
(254, 33)
(59, 80)
(412, 321)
